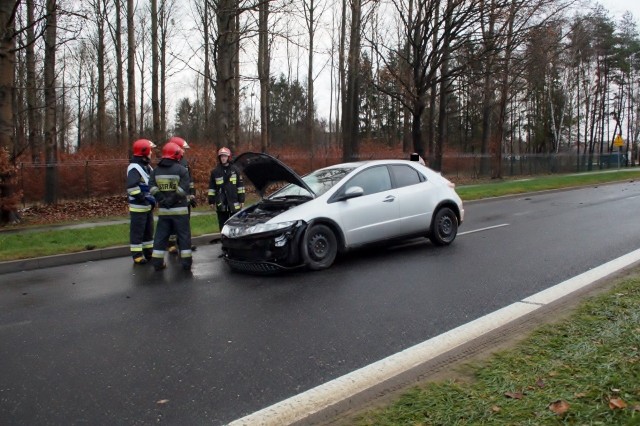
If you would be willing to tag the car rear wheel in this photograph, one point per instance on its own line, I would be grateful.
(444, 227)
(319, 247)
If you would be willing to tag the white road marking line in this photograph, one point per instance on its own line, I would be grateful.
(15, 324)
(484, 229)
(314, 400)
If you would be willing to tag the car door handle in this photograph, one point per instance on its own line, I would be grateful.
(389, 199)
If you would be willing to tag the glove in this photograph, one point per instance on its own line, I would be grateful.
(192, 202)
(168, 201)
(151, 200)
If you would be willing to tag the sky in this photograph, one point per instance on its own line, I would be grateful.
(618, 7)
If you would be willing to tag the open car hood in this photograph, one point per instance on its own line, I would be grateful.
(263, 170)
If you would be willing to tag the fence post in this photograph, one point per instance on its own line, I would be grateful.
(22, 184)
(86, 178)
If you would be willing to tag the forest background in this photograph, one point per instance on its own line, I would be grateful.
(480, 88)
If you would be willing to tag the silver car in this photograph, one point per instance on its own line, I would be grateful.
(311, 219)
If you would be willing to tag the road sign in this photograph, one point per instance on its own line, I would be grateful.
(618, 141)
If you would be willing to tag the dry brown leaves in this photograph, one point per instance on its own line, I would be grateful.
(77, 210)
(559, 407)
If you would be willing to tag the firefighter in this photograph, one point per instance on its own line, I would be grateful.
(226, 190)
(172, 248)
(141, 202)
(170, 186)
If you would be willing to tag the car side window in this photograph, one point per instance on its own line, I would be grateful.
(372, 180)
(405, 175)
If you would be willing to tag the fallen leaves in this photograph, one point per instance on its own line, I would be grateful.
(514, 395)
(617, 404)
(559, 407)
(79, 210)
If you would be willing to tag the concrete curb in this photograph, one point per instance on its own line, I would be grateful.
(11, 266)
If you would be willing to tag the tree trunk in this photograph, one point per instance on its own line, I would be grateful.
(164, 28)
(487, 92)
(444, 91)
(8, 202)
(131, 73)
(496, 172)
(101, 128)
(310, 107)
(236, 81)
(342, 79)
(122, 121)
(207, 71)
(406, 63)
(155, 61)
(225, 47)
(352, 100)
(433, 94)
(50, 103)
(264, 59)
(33, 116)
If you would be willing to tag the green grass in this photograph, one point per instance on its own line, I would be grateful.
(45, 243)
(521, 186)
(587, 360)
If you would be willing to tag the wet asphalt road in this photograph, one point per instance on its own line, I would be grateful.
(104, 342)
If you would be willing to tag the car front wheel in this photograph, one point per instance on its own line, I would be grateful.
(444, 227)
(319, 247)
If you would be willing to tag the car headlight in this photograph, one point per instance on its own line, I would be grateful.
(241, 231)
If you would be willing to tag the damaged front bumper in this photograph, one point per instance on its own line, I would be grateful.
(266, 252)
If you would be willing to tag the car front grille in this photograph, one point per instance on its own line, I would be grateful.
(255, 267)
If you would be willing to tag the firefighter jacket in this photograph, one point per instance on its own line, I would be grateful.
(169, 184)
(140, 200)
(226, 189)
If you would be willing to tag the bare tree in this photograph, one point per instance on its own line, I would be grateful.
(165, 26)
(99, 14)
(131, 74)
(32, 98)
(351, 101)
(204, 15)
(50, 136)
(155, 73)
(225, 47)
(264, 57)
(117, 42)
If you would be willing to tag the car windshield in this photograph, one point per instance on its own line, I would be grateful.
(319, 181)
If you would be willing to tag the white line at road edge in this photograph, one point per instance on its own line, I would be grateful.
(483, 229)
(300, 406)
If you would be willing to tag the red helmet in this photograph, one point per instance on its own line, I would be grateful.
(180, 142)
(172, 151)
(143, 147)
(224, 151)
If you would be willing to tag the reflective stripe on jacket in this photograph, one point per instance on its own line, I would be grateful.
(226, 188)
(169, 183)
(138, 185)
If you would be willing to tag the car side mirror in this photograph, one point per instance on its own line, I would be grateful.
(352, 192)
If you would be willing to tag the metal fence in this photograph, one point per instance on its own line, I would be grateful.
(100, 178)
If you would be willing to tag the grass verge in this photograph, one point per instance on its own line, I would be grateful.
(583, 370)
(521, 186)
(26, 245)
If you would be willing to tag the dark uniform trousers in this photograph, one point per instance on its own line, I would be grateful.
(172, 225)
(141, 233)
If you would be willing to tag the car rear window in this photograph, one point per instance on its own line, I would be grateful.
(405, 175)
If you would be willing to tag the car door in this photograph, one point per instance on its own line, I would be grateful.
(372, 216)
(414, 195)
